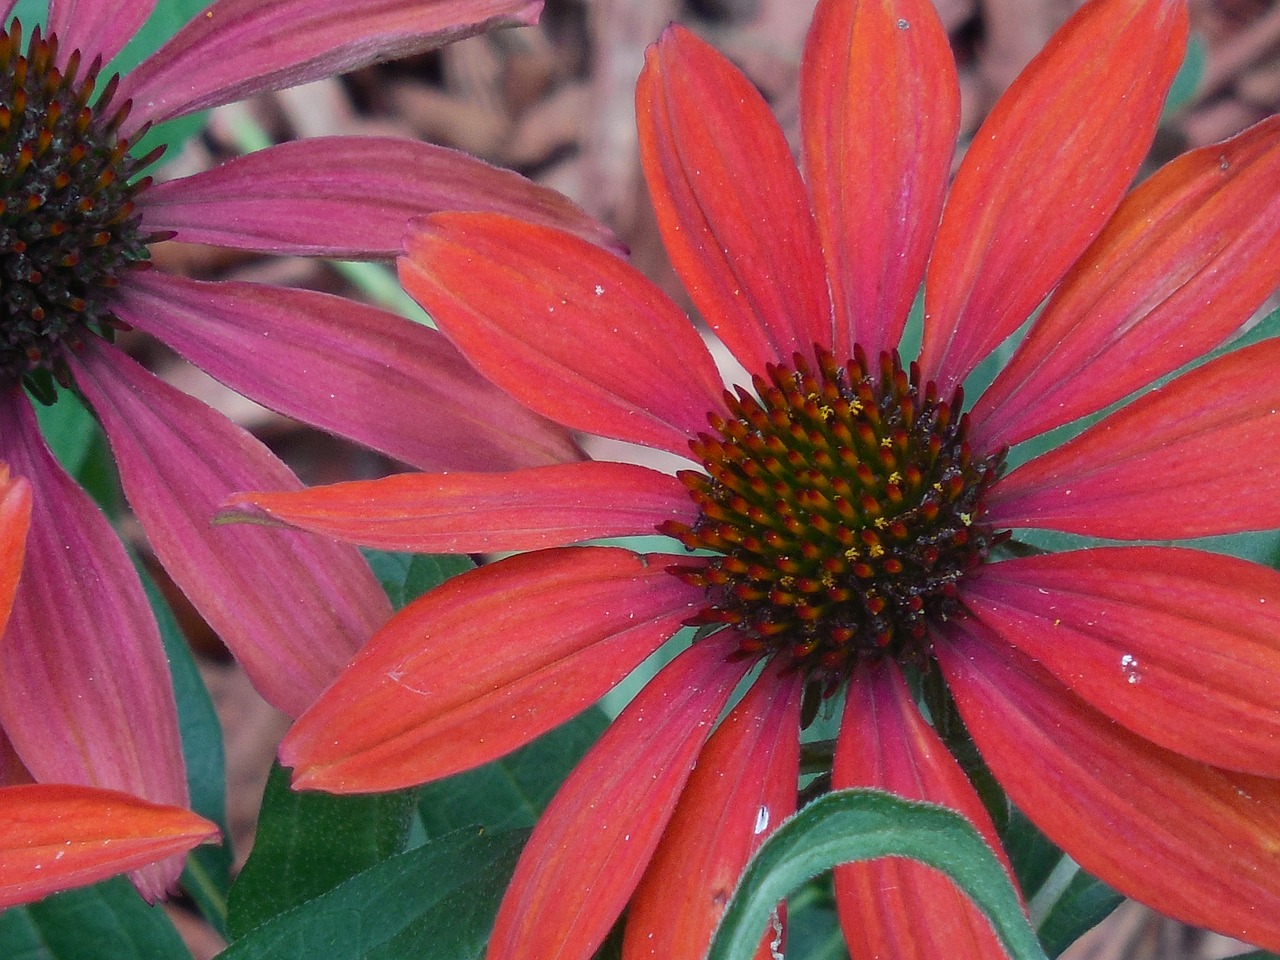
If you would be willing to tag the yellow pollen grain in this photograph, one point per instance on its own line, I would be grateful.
(880, 523)
(886, 443)
(966, 519)
(852, 553)
(895, 477)
(876, 550)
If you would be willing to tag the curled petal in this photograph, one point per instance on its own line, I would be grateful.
(880, 109)
(743, 786)
(237, 48)
(97, 28)
(591, 845)
(1194, 458)
(893, 907)
(346, 368)
(1189, 256)
(1045, 171)
(483, 664)
(291, 607)
(345, 197)
(569, 330)
(483, 512)
(1193, 841)
(53, 837)
(733, 212)
(1181, 647)
(15, 519)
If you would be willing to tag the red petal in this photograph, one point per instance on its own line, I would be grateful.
(85, 692)
(237, 48)
(97, 28)
(881, 107)
(588, 851)
(1181, 647)
(346, 368)
(1193, 841)
(893, 907)
(1194, 458)
(484, 512)
(346, 197)
(564, 327)
(15, 519)
(1187, 258)
(290, 606)
(743, 786)
(485, 663)
(733, 212)
(56, 837)
(1044, 173)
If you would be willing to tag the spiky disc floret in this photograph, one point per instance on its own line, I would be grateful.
(841, 509)
(68, 228)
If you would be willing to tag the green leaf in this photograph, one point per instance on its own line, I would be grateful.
(308, 843)
(207, 875)
(407, 576)
(108, 921)
(1032, 854)
(513, 791)
(1187, 80)
(80, 446)
(1255, 955)
(1083, 904)
(851, 825)
(436, 901)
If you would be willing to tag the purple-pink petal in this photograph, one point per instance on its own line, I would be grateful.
(85, 693)
(346, 368)
(95, 27)
(238, 48)
(292, 608)
(347, 197)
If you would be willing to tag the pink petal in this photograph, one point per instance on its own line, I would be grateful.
(743, 786)
(346, 368)
(1193, 841)
(1187, 258)
(291, 607)
(53, 837)
(6, 7)
(485, 663)
(346, 197)
(483, 512)
(893, 907)
(15, 520)
(569, 330)
(1044, 173)
(591, 846)
(733, 212)
(97, 28)
(1194, 458)
(1182, 647)
(880, 109)
(237, 48)
(85, 693)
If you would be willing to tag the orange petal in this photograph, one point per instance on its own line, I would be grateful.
(15, 518)
(53, 837)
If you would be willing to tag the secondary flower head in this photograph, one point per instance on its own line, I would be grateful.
(851, 521)
(85, 695)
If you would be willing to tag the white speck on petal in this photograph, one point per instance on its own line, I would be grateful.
(762, 820)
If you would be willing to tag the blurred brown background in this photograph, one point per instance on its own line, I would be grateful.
(555, 103)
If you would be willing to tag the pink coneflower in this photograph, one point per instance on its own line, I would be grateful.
(848, 522)
(85, 695)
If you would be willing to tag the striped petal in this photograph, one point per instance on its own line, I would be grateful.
(483, 664)
(1193, 841)
(53, 837)
(346, 368)
(1194, 458)
(97, 28)
(1188, 257)
(1044, 173)
(591, 845)
(893, 907)
(15, 520)
(85, 692)
(733, 212)
(291, 607)
(1181, 647)
(880, 107)
(346, 197)
(743, 786)
(569, 330)
(238, 48)
(483, 512)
